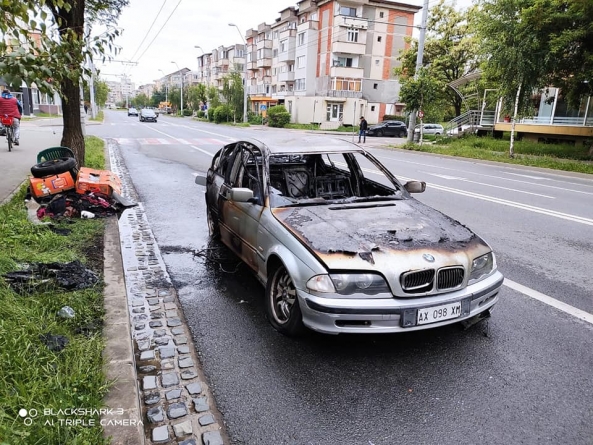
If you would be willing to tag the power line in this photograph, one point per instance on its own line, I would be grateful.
(157, 34)
(149, 29)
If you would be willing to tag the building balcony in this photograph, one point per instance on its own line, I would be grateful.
(346, 94)
(264, 63)
(287, 56)
(348, 48)
(222, 62)
(346, 71)
(286, 77)
(252, 66)
(287, 33)
(311, 24)
(266, 79)
(351, 22)
(264, 44)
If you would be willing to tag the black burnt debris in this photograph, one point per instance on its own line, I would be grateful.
(54, 342)
(69, 276)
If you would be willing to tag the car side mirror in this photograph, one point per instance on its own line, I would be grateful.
(201, 180)
(240, 194)
(415, 186)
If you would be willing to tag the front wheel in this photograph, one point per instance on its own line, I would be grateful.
(282, 304)
(379, 133)
(213, 228)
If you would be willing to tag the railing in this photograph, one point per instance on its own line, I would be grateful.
(470, 121)
(548, 120)
(342, 93)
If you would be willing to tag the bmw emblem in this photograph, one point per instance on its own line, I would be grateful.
(428, 257)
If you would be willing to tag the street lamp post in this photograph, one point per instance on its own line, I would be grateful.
(181, 86)
(245, 81)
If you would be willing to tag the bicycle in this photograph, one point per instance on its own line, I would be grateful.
(7, 122)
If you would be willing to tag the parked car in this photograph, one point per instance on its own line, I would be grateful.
(340, 244)
(146, 114)
(388, 128)
(430, 129)
(132, 111)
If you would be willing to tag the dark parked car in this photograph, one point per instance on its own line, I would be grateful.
(340, 244)
(146, 114)
(388, 128)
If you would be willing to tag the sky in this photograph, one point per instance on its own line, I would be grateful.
(182, 24)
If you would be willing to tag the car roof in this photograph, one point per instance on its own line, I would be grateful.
(296, 144)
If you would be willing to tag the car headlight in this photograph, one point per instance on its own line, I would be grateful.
(360, 283)
(481, 267)
(321, 283)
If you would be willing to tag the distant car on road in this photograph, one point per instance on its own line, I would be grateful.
(340, 244)
(388, 128)
(436, 129)
(132, 111)
(147, 115)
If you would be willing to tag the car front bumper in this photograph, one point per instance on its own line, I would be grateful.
(341, 315)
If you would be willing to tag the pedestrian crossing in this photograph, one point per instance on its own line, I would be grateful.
(170, 141)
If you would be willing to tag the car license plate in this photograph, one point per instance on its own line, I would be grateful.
(438, 313)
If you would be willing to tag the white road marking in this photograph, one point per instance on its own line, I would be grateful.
(528, 176)
(566, 308)
(203, 151)
(488, 185)
(210, 132)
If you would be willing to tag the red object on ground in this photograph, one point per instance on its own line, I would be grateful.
(51, 185)
(101, 181)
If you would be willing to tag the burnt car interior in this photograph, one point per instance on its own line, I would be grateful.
(306, 177)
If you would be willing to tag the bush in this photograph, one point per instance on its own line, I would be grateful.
(223, 113)
(278, 116)
(394, 117)
(201, 114)
(254, 118)
(187, 112)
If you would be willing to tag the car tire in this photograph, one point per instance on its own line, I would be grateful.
(282, 304)
(55, 167)
(213, 228)
(379, 133)
(400, 134)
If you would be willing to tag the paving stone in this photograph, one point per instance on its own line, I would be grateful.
(183, 349)
(188, 374)
(173, 394)
(177, 410)
(201, 404)
(152, 398)
(164, 293)
(167, 352)
(169, 379)
(141, 335)
(181, 340)
(139, 326)
(167, 364)
(163, 341)
(194, 388)
(143, 345)
(146, 369)
(147, 355)
(208, 419)
(212, 438)
(169, 299)
(169, 306)
(156, 315)
(188, 442)
(139, 317)
(159, 332)
(182, 429)
(160, 434)
(148, 382)
(137, 303)
(153, 301)
(138, 310)
(174, 322)
(185, 362)
(155, 415)
(171, 314)
(155, 324)
(177, 331)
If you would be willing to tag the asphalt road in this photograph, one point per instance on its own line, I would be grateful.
(522, 377)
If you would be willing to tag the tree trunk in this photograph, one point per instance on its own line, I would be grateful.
(72, 136)
(512, 145)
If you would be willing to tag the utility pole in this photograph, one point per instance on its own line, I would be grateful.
(419, 58)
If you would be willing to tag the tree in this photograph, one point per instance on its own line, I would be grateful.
(196, 95)
(140, 100)
(232, 91)
(213, 95)
(517, 58)
(416, 93)
(158, 96)
(450, 51)
(55, 60)
(101, 92)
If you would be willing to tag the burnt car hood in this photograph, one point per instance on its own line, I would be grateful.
(361, 230)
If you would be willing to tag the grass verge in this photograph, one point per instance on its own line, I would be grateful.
(100, 116)
(32, 377)
(554, 156)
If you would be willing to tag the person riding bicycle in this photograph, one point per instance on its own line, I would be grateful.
(11, 106)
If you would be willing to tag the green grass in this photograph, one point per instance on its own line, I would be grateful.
(100, 116)
(94, 154)
(32, 376)
(554, 156)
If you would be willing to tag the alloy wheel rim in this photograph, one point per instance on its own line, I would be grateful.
(284, 297)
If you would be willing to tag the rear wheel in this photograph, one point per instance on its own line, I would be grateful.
(9, 137)
(282, 304)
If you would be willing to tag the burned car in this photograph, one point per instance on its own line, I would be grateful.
(339, 243)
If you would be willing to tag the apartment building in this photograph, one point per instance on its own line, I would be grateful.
(327, 61)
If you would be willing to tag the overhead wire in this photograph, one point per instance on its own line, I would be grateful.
(149, 29)
(159, 31)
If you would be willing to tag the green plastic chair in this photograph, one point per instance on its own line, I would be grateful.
(52, 153)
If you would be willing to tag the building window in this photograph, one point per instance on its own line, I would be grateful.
(290, 106)
(351, 12)
(379, 39)
(344, 61)
(275, 34)
(353, 35)
(375, 85)
(372, 108)
(301, 38)
(377, 62)
(274, 71)
(300, 61)
(344, 84)
(381, 15)
(283, 46)
(275, 52)
(299, 85)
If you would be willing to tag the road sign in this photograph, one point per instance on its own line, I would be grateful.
(420, 114)
(263, 107)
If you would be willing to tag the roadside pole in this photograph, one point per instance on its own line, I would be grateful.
(419, 58)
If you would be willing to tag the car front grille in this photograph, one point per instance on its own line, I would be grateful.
(421, 281)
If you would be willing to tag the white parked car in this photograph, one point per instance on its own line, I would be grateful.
(430, 129)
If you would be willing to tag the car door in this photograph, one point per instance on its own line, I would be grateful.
(390, 129)
(243, 218)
